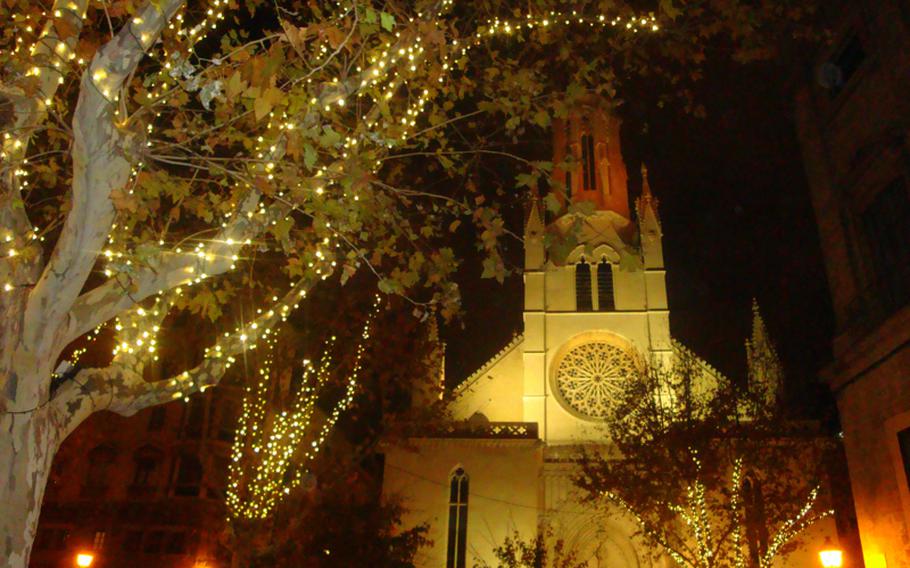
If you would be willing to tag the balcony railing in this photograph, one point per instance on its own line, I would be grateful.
(498, 430)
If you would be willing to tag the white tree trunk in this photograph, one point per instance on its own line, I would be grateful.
(27, 446)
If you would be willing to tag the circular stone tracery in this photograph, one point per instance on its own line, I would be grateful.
(589, 378)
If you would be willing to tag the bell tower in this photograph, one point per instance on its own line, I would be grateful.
(596, 302)
(587, 146)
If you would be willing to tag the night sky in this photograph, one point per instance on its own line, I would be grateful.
(737, 224)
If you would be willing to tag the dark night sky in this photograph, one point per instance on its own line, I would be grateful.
(737, 223)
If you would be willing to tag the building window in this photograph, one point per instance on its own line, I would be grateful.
(157, 417)
(132, 541)
(194, 421)
(51, 539)
(458, 520)
(146, 459)
(903, 440)
(153, 542)
(583, 301)
(175, 543)
(605, 299)
(886, 224)
(588, 164)
(96, 478)
(98, 543)
(189, 477)
(847, 61)
(223, 418)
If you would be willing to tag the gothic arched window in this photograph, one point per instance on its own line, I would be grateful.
(458, 520)
(583, 301)
(605, 299)
(587, 162)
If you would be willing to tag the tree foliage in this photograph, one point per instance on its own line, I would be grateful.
(541, 551)
(712, 472)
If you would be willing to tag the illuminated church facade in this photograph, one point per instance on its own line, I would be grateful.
(522, 417)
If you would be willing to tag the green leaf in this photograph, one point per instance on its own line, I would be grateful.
(262, 106)
(309, 156)
(552, 203)
(388, 21)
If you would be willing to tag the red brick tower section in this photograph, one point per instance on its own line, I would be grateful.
(589, 140)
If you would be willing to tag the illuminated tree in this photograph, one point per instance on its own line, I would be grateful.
(335, 517)
(712, 473)
(166, 156)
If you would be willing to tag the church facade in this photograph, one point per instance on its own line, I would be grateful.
(590, 317)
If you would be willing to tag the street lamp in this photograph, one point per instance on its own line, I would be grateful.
(831, 557)
(84, 559)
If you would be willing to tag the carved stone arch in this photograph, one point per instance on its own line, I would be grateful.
(601, 542)
(600, 252)
(605, 252)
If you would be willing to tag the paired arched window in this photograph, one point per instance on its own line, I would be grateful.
(583, 289)
(583, 300)
(605, 299)
(458, 520)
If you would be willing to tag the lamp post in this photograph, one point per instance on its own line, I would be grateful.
(84, 559)
(831, 557)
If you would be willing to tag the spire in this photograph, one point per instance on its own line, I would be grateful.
(765, 371)
(534, 230)
(534, 225)
(646, 204)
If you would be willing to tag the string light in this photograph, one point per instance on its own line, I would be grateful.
(697, 519)
(270, 455)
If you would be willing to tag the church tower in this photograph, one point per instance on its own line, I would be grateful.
(595, 300)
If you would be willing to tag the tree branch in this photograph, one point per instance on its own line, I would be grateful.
(99, 166)
(123, 390)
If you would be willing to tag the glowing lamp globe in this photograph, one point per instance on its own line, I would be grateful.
(84, 559)
(831, 558)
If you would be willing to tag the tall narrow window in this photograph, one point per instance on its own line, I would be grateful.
(194, 418)
(588, 162)
(189, 477)
(847, 61)
(157, 417)
(903, 441)
(458, 520)
(583, 301)
(886, 223)
(605, 301)
(568, 135)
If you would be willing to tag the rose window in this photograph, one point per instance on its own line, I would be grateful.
(590, 378)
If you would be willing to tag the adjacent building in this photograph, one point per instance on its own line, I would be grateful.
(143, 491)
(853, 114)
